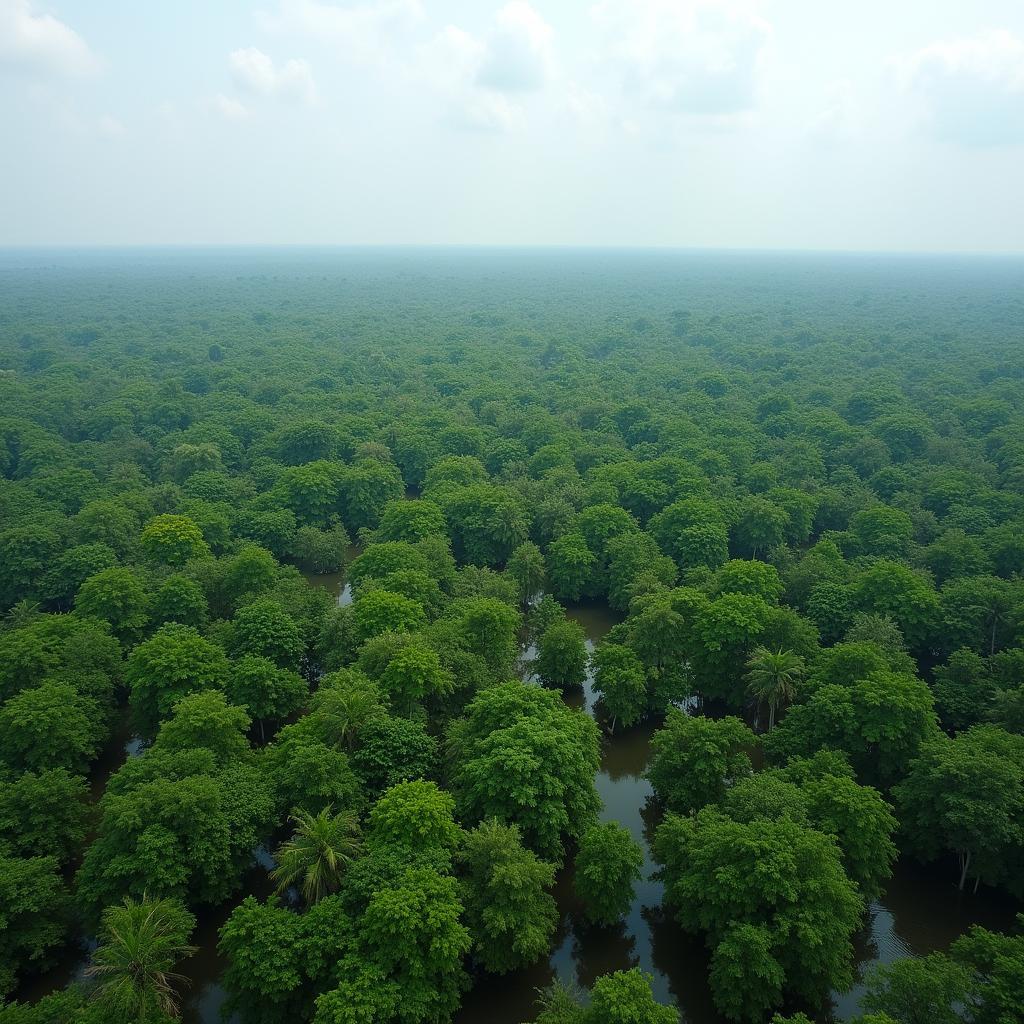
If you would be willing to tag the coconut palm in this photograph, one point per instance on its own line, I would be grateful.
(140, 942)
(316, 856)
(772, 678)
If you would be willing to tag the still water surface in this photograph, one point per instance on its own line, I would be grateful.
(921, 910)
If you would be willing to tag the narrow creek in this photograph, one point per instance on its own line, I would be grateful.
(921, 910)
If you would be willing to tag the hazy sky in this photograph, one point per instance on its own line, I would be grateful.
(842, 124)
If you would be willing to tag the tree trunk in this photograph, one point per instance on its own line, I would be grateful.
(977, 881)
(771, 717)
(992, 645)
(965, 861)
(263, 735)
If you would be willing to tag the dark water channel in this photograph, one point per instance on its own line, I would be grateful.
(921, 910)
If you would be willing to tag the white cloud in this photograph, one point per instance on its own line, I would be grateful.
(229, 108)
(40, 42)
(476, 76)
(972, 88)
(256, 73)
(689, 56)
(517, 56)
(364, 31)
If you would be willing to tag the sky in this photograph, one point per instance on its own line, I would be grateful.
(768, 124)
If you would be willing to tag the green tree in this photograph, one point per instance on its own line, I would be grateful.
(410, 521)
(608, 863)
(510, 912)
(179, 599)
(996, 966)
(380, 611)
(315, 858)
(49, 725)
(44, 813)
(773, 678)
(133, 966)
(858, 816)
(695, 760)
(772, 901)
(570, 565)
(116, 596)
(966, 796)
(620, 680)
(393, 750)
(625, 996)
(416, 673)
(760, 526)
(175, 661)
(562, 655)
(175, 823)
(883, 531)
(412, 931)
(173, 540)
(903, 594)
(413, 817)
(521, 756)
(205, 719)
(693, 532)
(265, 629)
(308, 774)
(925, 990)
(33, 911)
(267, 692)
(526, 566)
(880, 722)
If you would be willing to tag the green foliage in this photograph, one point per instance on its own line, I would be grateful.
(314, 859)
(526, 566)
(928, 990)
(175, 661)
(44, 813)
(393, 750)
(620, 680)
(49, 725)
(880, 721)
(966, 796)
(179, 599)
(772, 900)
(561, 659)
(411, 930)
(264, 690)
(608, 863)
(380, 611)
(173, 540)
(695, 760)
(265, 629)
(519, 755)
(33, 914)
(174, 823)
(413, 817)
(116, 596)
(623, 997)
(205, 719)
(509, 910)
(139, 945)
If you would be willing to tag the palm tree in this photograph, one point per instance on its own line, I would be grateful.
(140, 943)
(316, 856)
(772, 678)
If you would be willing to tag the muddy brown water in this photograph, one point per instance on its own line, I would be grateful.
(921, 910)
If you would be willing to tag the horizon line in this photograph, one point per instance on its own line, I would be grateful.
(497, 246)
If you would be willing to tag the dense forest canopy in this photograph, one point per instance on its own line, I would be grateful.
(794, 482)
